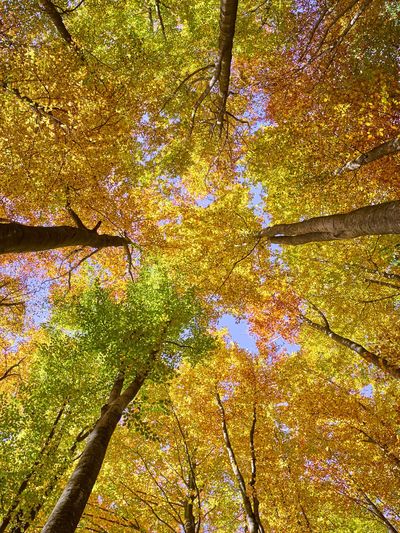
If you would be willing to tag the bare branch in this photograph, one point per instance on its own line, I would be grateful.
(7, 373)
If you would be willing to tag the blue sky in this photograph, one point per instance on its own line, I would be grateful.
(239, 332)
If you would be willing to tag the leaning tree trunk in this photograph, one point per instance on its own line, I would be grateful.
(18, 238)
(380, 219)
(55, 16)
(71, 504)
(23, 521)
(190, 521)
(370, 357)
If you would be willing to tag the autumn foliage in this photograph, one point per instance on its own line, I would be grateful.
(168, 169)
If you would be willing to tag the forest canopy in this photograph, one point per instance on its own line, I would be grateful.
(199, 266)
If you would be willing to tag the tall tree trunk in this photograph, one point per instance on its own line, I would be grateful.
(71, 504)
(372, 358)
(39, 109)
(256, 502)
(24, 520)
(372, 507)
(387, 148)
(380, 219)
(18, 238)
(383, 283)
(385, 448)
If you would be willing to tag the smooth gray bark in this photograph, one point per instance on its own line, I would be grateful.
(387, 148)
(227, 25)
(71, 504)
(380, 219)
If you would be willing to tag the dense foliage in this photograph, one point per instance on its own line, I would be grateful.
(165, 167)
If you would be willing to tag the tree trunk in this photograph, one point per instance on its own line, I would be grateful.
(227, 23)
(55, 16)
(39, 109)
(372, 358)
(380, 219)
(24, 522)
(71, 504)
(372, 507)
(383, 283)
(18, 238)
(387, 148)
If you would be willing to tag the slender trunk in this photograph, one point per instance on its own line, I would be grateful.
(384, 447)
(191, 525)
(380, 219)
(160, 18)
(374, 509)
(21, 520)
(18, 238)
(227, 24)
(39, 109)
(250, 517)
(256, 502)
(190, 522)
(17, 499)
(383, 283)
(370, 357)
(71, 504)
(390, 275)
(7, 373)
(387, 148)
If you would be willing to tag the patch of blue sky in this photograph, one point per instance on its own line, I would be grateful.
(257, 113)
(284, 346)
(276, 256)
(38, 307)
(257, 202)
(238, 332)
(14, 339)
(258, 194)
(205, 201)
(165, 221)
(367, 391)
(282, 427)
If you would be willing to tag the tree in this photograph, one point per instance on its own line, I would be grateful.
(98, 337)
(251, 506)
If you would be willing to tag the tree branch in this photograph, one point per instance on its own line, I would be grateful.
(389, 147)
(372, 358)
